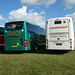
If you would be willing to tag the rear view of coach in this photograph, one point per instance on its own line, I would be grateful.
(60, 34)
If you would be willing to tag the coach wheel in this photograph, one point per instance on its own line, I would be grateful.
(36, 48)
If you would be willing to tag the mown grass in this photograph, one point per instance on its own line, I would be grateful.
(39, 62)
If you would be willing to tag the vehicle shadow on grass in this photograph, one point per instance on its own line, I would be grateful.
(39, 51)
(44, 51)
(11, 52)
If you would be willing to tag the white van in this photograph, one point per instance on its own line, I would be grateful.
(59, 34)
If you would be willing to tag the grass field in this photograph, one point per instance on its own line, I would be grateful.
(39, 62)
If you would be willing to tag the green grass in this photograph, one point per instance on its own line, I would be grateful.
(39, 62)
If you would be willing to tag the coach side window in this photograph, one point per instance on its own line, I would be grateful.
(1, 31)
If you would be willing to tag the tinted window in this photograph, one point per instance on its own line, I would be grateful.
(1, 31)
(35, 29)
(57, 22)
(41, 31)
(14, 26)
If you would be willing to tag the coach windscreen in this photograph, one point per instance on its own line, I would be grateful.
(14, 26)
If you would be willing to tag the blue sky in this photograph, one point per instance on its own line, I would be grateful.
(35, 11)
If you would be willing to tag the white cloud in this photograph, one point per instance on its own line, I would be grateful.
(71, 15)
(1, 18)
(31, 16)
(70, 4)
(37, 2)
(69, 1)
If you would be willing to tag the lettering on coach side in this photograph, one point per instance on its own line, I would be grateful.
(61, 27)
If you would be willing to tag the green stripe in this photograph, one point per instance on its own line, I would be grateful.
(41, 43)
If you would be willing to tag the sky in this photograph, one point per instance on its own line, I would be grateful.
(35, 11)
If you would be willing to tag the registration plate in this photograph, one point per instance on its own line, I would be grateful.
(14, 46)
(58, 44)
